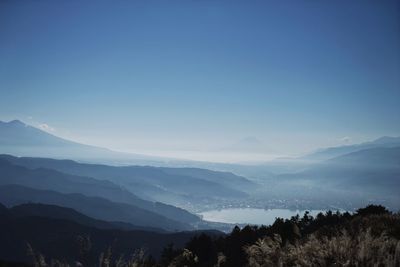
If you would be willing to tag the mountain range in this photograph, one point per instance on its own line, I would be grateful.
(369, 168)
(132, 195)
(49, 179)
(96, 207)
(332, 152)
(176, 186)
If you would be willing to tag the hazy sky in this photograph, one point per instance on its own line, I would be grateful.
(179, 76)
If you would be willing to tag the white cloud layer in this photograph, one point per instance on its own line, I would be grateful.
(46, 127)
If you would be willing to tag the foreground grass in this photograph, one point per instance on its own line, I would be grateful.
(361, 248)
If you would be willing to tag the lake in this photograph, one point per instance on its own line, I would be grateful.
(252, 215)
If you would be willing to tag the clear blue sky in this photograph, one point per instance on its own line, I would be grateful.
(189, 75)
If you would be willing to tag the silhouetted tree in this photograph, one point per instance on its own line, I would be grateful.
(204, 247)
(372, 209)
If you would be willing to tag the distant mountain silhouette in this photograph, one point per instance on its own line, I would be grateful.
(95, 207)
(71, 241)
(171, 185)
(18, 138)
(369, 173)
(332, 152)
(387, 157)
(49, 179)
